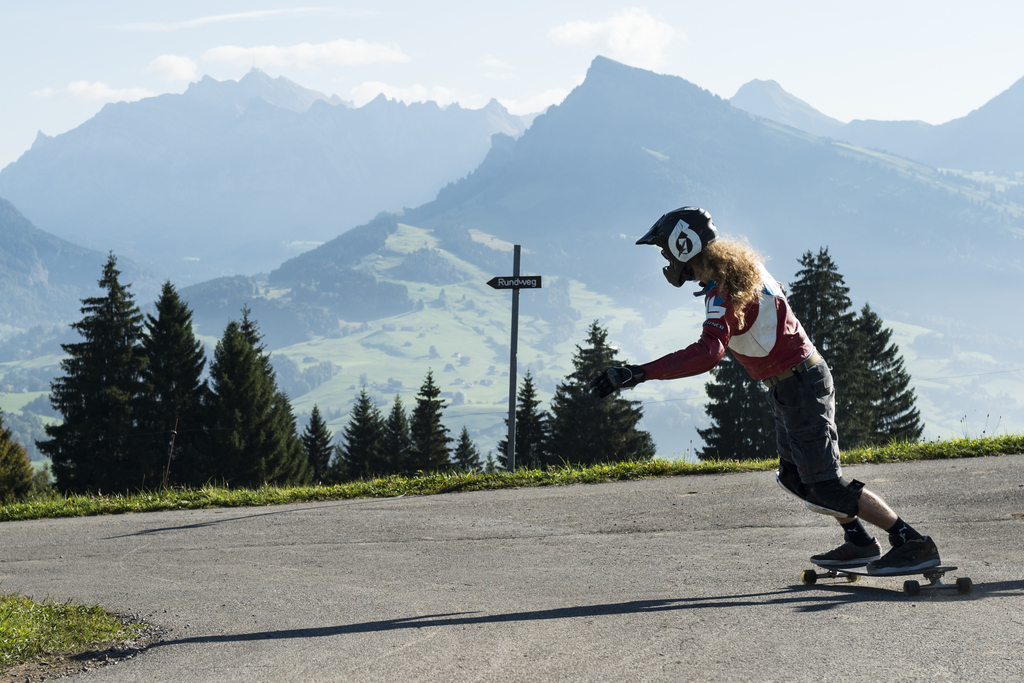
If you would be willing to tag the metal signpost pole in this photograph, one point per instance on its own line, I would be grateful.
(515, 283)
(510, 455)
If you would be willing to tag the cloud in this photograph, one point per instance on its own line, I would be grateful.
(535, 103)
(173, 68)
(339, 53)
(95, 92)
(540, 101)
(364, 92)
(494, 63)
(499, 70)
(218, 18)
(631, 36)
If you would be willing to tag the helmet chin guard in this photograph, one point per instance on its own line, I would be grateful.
(681, 234)
(677, 272)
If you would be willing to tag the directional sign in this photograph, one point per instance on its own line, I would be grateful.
(515, 282)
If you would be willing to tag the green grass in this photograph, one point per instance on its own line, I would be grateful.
(966, 447)
(449, 482)
(31, 630)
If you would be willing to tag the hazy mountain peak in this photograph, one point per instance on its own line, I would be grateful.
(604, 64)
(379, 101)
(768, 100)
(1006, 107)
(279, 92)
(41, 139)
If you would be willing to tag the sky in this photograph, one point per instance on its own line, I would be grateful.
(895, 60)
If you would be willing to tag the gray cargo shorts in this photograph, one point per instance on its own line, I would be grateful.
(804, 406)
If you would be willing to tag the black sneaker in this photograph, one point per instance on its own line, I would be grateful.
(849, 555)
(909, 556)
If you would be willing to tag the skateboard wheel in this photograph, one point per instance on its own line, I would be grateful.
(964, 586)
(911, 588)
(852, 578)
(808, 577)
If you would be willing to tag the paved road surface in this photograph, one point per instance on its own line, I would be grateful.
(688, 578)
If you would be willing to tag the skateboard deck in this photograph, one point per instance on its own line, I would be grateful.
(934, 575)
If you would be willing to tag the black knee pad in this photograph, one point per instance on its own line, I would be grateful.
(835, 497)
(788, 478)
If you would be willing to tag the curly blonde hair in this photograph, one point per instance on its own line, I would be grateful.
(733, 266)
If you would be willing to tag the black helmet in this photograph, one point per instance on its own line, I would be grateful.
(681, 234)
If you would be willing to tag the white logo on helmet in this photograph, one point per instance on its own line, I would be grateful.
(684, 242)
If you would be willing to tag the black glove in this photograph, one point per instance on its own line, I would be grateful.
(613, 379)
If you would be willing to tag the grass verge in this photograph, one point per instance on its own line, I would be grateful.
(447, 482)
(31, 630)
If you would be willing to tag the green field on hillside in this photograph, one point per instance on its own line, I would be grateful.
(462, 333)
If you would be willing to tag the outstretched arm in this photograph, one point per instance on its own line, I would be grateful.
(697, 358)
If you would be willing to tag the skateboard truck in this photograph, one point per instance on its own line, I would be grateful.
(934, 575)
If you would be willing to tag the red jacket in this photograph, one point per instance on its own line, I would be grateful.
(771, 340)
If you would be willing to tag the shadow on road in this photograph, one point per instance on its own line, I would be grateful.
(799, 598)
(214, 522)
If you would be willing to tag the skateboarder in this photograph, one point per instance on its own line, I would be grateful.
(747, 312)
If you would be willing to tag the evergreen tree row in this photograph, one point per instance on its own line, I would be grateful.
(579, 429)
(138, 414)
(374, 445)
(874, 401)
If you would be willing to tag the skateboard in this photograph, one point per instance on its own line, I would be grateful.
(934, 575)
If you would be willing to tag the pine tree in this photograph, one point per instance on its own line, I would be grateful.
(742, 425)
(361, 454)
(429, 436)
(873, 401)
(585, 429)
(173, 411)
(893, 413)
(254, 427)
(316, 439)
(531, 429)
(96, 446)
(290, 466)
(16, 474)
(466, 455)
(820, 300)
(397, 440)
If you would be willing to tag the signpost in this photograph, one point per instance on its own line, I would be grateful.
(515, 283)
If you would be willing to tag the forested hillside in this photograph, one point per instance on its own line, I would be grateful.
(42, 277)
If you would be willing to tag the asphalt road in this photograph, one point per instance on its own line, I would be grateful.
(687, 578)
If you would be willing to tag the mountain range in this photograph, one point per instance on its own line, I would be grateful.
(627, 145)
(935, 253)
(228, 177)
(987, 139)
(575, 189)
